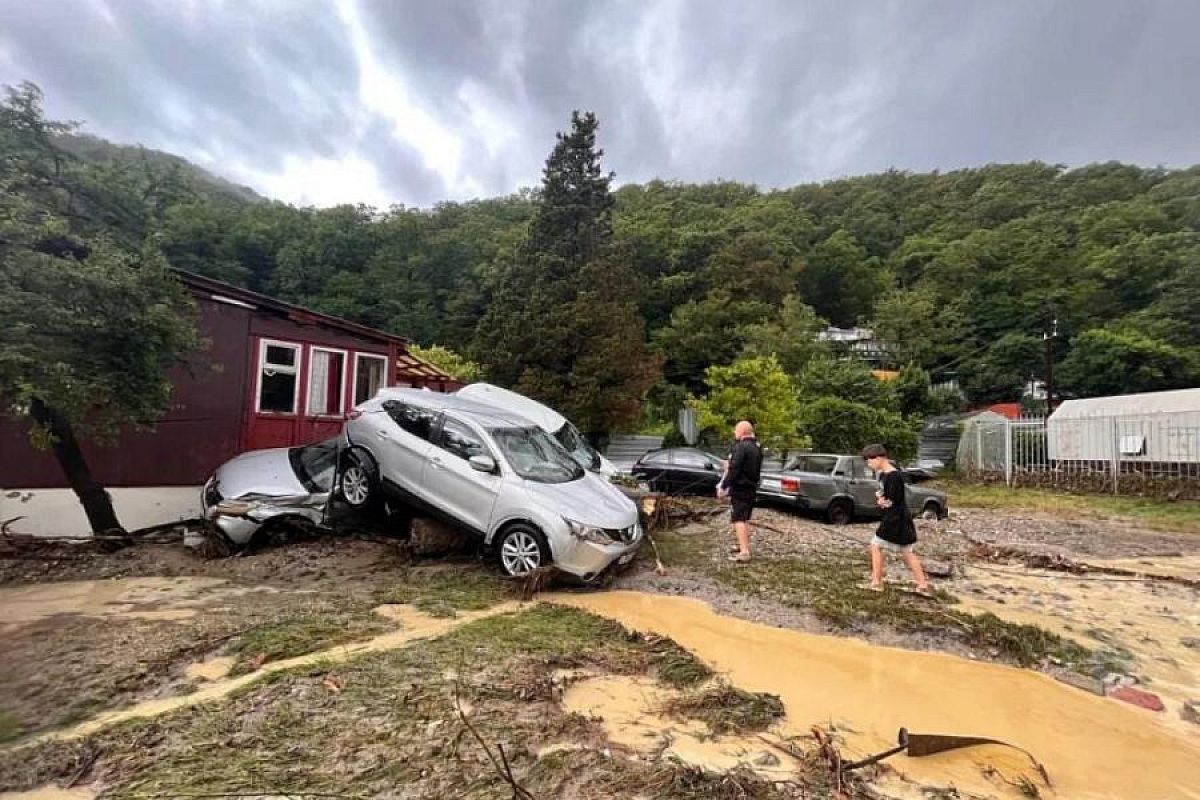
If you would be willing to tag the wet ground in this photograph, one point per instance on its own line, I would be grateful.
(120, 666)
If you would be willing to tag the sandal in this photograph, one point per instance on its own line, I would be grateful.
(739, 557)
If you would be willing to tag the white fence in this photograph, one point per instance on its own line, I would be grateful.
(1124, 454)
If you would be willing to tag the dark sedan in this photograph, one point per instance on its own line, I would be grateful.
(680, 470)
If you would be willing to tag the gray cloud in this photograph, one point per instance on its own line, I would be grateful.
(766, 91)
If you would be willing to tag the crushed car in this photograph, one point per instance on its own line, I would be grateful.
(286, 484)
(490, 471)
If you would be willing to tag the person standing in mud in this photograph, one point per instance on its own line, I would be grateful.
(740, 484)
(896, 530)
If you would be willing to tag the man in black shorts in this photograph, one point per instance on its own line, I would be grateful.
(740, 483)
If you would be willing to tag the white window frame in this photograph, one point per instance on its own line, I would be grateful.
(341, 412)
(261, 366)
(376, 357)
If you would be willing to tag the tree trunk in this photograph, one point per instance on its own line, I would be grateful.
(92, 496)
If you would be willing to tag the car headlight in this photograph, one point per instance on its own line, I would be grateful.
(589, 533)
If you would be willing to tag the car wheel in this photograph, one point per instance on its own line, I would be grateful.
(840, 513)
(522, 549)
(356, 483)
(931, 510)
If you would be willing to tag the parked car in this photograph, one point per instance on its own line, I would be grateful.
(680, 470)
(547, 418)
(492, 472)
(286, 483)
(841, 488)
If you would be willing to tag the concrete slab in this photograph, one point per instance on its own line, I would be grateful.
(56, 512)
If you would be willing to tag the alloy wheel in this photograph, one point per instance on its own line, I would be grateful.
(356, 486)
(520, 554)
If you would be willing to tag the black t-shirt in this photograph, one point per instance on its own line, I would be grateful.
(745, 467)
(897, 525)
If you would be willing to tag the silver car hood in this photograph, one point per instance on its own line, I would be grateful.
(265, 472)
(591, 500)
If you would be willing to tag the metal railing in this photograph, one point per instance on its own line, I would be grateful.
(1130, 454)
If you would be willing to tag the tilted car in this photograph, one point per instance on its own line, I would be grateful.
(841, 488)
(680, 470)
(492, 472)
(264, 486)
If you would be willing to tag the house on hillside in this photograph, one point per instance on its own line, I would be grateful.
(858, 342)
(274, 375)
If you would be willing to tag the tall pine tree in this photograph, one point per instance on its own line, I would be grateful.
(563, 326)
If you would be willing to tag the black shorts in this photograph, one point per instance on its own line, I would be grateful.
(741, 507)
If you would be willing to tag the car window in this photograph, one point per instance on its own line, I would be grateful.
(537, 456)
(822, 464)
(314, 463)
(658, 459)
(691, 458)
(461, 440)
(574, 443)
(420, 422)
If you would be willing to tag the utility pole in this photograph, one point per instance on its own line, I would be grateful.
(1048, 337)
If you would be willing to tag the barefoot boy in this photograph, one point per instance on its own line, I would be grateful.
(896, 530)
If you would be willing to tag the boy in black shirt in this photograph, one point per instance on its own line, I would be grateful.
(896, 530)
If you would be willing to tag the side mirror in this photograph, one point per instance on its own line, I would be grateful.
(708, 466)
(482, 463)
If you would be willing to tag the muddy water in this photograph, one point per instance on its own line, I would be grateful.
(51, 793)
(1094, 748)
(1152, 620)
(138, 598)
(415, 626)
(630, 711)
(210, 669)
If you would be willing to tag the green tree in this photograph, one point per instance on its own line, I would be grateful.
(1104, 362)
(912, 391)
(90, 327)
(841, 281)
(756, 389)
(838, 425)
(791, 336)
(564, 326)
(711, 331)
(848, 379)
(1001, 371)
(449, 361)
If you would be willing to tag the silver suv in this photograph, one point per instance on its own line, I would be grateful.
(491, 472)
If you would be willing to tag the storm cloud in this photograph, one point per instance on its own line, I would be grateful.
(329, 101)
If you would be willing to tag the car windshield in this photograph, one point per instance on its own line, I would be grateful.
(574, 443)
(314, 464)
(536, 456)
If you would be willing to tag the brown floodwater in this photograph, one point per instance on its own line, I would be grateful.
(1094, 748)
(51, 793)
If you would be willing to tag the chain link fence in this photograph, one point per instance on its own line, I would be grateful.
(1148, 454)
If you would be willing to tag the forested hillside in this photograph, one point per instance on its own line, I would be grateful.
(959, 273)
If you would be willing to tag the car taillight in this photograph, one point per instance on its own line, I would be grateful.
(790, 485)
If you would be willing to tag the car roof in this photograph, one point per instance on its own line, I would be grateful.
(505, 400)
(482, 413)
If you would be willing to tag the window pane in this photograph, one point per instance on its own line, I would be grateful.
(325, 382)
(368, 378)
(281, 356)
(690, 458)
(277, 391)
(417, 421)
(460, 440)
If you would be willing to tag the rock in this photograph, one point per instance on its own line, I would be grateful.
(1191, 712)
(766, 759)
(1191, 642)
(938, 569)
(1088, 684)
(1137, 697)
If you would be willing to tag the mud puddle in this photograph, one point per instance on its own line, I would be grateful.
(137, 598)
(415, 625)
(629, 709)
(51, 793)
(210, 669)
(1156, 622)
(1093, 748)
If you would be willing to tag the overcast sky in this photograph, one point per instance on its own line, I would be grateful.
(397, 101)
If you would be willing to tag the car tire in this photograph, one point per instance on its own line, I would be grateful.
(521, 549)
(840, 512)
(358, 484)
(931, 510)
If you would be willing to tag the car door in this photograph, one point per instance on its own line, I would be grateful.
(861, 483)
(655, 470)
(452, 484)
(403, 447)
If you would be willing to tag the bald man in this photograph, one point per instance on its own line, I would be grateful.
(741, 484)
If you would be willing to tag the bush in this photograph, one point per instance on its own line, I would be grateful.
(843, 426)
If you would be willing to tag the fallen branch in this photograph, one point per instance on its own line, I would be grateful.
(501, 765)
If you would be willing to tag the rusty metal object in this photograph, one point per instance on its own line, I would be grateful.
(916, 745)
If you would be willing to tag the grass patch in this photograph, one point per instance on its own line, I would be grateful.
(682, 670)
(727, 709)
(443, 592)
(301, 633)
(1179, 515)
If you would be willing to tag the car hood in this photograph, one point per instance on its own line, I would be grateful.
(591, 500)
(266, 472)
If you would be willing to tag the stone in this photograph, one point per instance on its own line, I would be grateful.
(1085, 682)
(938, 569)
(1191, 712)
(766, 759)
(1190, 642)
(1137, 697)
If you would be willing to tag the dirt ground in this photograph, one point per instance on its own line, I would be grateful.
(225, 647)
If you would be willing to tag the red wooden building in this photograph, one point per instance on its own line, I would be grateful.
(274, 375)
